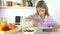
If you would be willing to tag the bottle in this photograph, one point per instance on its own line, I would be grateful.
(30, 3)
(0, 2)
(28, 24)
(23, 24)
(4, 21)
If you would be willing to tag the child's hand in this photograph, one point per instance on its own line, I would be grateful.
(27, 19)
(54, 29)
(33, 21)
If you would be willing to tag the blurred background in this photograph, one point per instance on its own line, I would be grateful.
(10, 13)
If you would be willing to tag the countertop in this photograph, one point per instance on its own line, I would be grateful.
(39, 31)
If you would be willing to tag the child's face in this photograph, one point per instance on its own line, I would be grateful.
(41, 11)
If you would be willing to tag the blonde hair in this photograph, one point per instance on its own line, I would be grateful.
(43, 4)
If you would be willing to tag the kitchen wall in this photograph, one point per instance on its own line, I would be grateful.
(54, 9)
(10, 13)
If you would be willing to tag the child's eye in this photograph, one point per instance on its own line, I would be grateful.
(42, 10)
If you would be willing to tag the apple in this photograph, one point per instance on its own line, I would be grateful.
(10, 26)
(14, 25)
(5, 28)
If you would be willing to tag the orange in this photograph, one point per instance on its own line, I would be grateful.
(0, 27)
(4, 23)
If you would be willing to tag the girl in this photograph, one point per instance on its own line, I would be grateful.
(42, 18)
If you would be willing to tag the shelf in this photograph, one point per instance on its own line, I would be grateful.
(15, 7)
(18, 3)
(8, 7)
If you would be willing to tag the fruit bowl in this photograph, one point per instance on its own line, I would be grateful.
(9, 31)
(29, 31)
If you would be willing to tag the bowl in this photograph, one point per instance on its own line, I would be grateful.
(29, 31)
(9, 32)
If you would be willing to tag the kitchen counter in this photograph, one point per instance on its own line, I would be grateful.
(39, 31)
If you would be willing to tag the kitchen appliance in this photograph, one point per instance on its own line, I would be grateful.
(17, 20)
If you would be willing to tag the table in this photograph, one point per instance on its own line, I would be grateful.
(38, 31)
